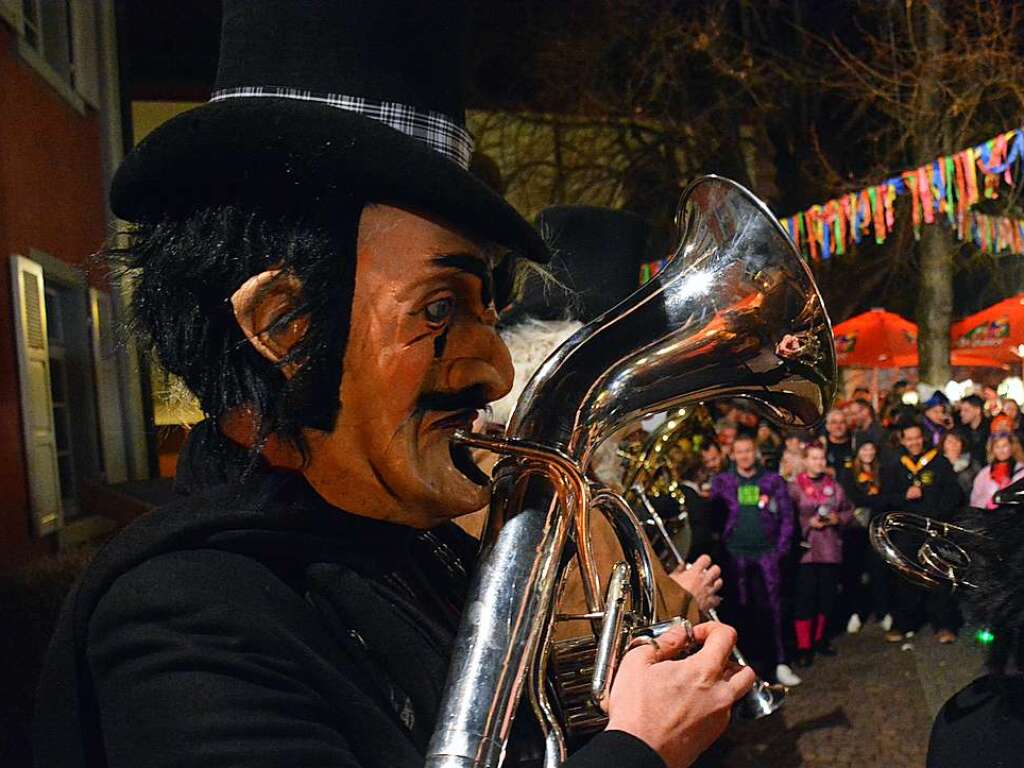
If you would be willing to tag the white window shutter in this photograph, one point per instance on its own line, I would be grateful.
(104, 360)
(84, 50)
(36, 404)
(10, 11)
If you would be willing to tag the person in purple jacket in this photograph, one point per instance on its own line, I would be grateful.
(753, 508)
(823, 509)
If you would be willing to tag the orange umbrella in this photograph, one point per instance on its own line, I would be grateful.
(880, 339)
(875, 339)
(996, 332)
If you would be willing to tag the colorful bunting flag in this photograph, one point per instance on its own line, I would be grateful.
(947, 188)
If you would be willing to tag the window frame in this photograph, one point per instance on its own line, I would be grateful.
(67, 279)
(78, 96)
(42, 67)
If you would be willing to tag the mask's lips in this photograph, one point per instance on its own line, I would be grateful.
(462, 458)
(462, 419)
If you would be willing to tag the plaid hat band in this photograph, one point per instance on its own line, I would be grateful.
(436, 130)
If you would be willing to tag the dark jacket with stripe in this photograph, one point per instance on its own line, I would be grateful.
(941, 495)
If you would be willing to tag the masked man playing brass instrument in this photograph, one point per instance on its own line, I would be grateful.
(312, 258)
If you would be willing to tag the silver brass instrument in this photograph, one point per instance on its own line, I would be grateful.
(942, 551)
(734, 313)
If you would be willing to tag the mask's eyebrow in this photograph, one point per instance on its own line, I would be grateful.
(473, 265)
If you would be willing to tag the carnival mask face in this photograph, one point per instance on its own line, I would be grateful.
(422, 359)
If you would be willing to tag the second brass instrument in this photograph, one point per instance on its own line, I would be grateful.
(941, 550)
(651, 472)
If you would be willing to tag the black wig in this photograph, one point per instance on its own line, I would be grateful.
(183, 273)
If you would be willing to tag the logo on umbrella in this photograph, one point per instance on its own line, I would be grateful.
(845, 342)
(986, 334)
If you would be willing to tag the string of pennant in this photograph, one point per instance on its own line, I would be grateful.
(946, 189)
(943, 190)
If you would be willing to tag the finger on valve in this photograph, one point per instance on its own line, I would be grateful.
(669, 645)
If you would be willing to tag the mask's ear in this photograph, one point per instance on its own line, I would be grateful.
(263, 307)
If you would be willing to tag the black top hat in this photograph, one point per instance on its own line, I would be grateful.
(596, 258)
(325, 100)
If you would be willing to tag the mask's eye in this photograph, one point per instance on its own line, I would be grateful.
(439, 311)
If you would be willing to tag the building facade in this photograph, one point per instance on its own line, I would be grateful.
(71, 416)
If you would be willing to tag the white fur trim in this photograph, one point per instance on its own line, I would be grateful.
(531, 342)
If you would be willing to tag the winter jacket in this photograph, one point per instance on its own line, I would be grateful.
(811, 497)
(966, 469)
(985, 487)
(776, 514)
(866, 491)
(982, 724)
(941, 495)
(976, 439)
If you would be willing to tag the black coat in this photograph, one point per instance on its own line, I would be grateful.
(976, 440)
(839, 457)
(861, 496)
(264, 628)
(941, 493)
(982, 724)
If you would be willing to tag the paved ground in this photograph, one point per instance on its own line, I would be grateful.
(872, 705)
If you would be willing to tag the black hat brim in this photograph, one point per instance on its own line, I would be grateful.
(291, 155)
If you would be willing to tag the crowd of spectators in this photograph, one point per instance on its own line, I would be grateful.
(786, 514)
